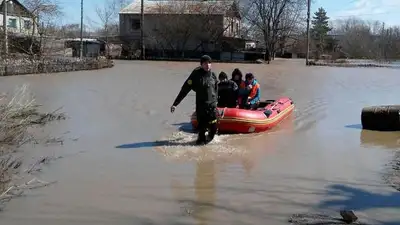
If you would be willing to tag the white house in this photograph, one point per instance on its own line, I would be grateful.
(20, 19)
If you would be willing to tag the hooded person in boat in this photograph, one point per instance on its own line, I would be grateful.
(237, 76)
(227, 92)
(250, 95)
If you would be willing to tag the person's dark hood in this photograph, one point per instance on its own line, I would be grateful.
(237, 71)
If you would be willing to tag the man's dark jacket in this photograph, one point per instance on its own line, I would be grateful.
(227, 92)
(205, 84)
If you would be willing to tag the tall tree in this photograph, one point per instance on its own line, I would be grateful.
(45, 11)
(362, 39)
(45, 14)
(274, 19)
(320, 29)
(108, 16)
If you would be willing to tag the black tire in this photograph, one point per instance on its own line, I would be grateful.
(381, 118)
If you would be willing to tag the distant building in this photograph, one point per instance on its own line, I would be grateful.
(250, 45)
(91, 47)
(20, 20)
(199, 26)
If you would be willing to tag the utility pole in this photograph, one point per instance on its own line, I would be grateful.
(81, 47)
(5, 30)
(308, 32)
(142, 51)
(41, 32)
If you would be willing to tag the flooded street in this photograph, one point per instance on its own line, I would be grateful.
(131, 162)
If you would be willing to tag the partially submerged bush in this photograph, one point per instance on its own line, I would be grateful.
(341, 61)
(17, 114)
(8, 166)
(51, 65)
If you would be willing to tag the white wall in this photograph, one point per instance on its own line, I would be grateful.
(250, 44)
(20, 24)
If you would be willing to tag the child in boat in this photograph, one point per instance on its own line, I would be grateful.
(237, 77)
(250, 95)
(227, 91)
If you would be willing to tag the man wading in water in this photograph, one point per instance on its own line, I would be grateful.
(205, 84)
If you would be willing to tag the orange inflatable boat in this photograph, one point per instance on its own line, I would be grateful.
(269, 114)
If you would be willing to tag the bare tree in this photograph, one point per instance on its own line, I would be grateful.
(388, 43)
(45, 13)
(274, 19)
(181, 25)
(356, 38)
(213, 29)
(122, 3)
(71, 30)
(369, 40)
(107, 14)
(291, 26)
(174, 27)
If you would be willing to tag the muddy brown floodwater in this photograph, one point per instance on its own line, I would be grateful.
(317, 160)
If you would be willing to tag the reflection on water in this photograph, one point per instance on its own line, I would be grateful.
(201, 207)
(391, 175)
(389, 140)
(205, 188)
(313, 111)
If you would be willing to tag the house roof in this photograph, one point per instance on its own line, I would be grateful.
(180, 7)
(20, 4)
(85, 40)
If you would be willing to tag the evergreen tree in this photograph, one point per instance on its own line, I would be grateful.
(320, 29)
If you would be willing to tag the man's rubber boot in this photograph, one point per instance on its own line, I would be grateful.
(201, 138)
(211, 133)
(201, 142)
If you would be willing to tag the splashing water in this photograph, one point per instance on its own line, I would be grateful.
(181, 146)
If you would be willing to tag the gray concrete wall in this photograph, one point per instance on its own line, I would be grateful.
(171, 37)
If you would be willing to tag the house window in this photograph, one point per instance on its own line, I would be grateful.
(237, 29)
(135, 23)
(231, 26)
(27, 24)
(12, 23)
